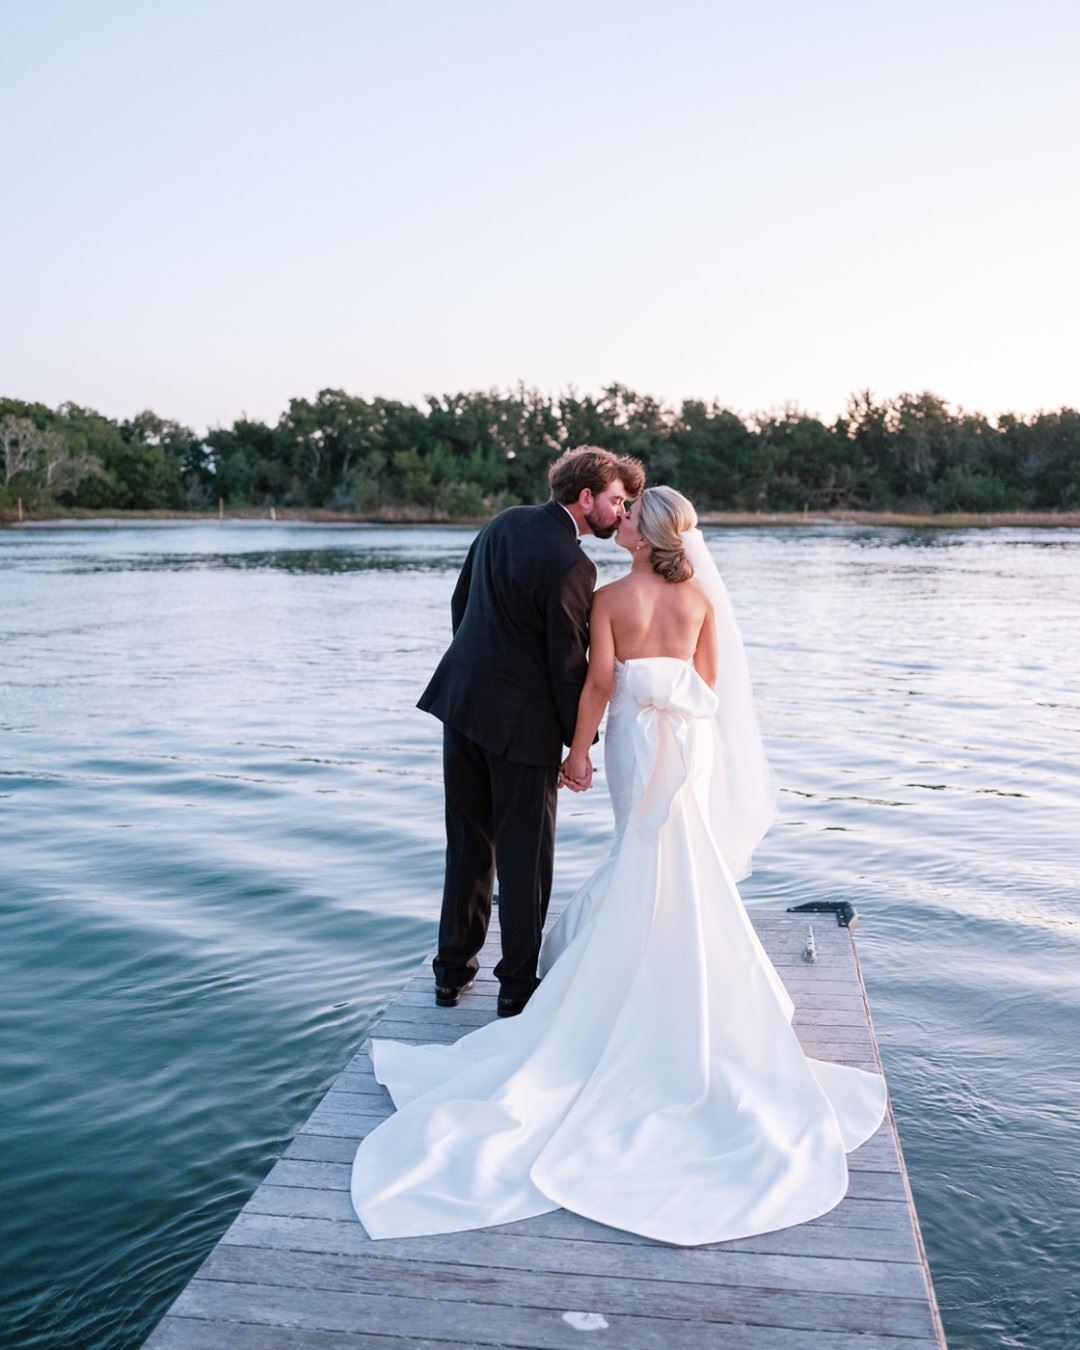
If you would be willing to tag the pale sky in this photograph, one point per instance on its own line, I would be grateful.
(209, 208)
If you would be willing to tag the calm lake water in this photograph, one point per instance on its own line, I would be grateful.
(220, 824)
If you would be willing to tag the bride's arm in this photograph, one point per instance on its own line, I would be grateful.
(596, 694)
(706, 658)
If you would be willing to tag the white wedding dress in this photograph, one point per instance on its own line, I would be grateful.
(653, 1082)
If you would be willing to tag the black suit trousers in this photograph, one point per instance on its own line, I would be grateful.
(500, 819)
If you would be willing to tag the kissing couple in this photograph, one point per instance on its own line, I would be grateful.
(643, 1071)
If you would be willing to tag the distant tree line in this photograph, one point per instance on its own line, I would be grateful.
(470, 454)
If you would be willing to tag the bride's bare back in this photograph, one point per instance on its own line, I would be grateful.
(653, 617)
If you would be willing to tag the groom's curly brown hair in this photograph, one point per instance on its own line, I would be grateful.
(587, 466)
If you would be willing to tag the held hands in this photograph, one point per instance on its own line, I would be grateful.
(576, 773)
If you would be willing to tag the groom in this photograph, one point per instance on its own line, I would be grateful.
(507, 692)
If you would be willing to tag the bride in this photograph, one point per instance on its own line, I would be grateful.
(653, 1082)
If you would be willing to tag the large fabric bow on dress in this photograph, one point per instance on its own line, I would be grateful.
(671, 697)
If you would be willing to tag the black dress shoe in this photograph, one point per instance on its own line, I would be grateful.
(447, 995)
(509, 1005)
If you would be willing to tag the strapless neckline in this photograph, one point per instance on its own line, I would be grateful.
(632, 660)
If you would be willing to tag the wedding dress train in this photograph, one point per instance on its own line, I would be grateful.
(653, 1082)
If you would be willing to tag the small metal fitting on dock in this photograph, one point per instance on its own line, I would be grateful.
(844, 910)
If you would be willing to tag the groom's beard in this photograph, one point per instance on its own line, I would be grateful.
(601, 530)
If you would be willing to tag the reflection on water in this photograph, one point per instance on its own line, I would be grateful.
(220, 816)
(331, 561)
(71, 550)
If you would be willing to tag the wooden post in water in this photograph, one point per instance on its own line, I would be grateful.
(221, 508)
(20, 509)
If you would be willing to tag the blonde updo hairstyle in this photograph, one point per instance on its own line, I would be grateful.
(663, 516)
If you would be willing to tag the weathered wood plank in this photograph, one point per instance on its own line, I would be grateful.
(488, 1324)
(514, 1247)
(852, 1211)
(877, 1154)
(321, 1202)
(178, 1332)
(353, 1118)
(651, 1298)
(862, 1182)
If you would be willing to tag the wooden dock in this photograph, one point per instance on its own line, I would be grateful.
(296, 1268)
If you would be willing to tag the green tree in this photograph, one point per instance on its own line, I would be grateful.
(715, 454)
(1044, 454)
(805, 463)
(473, 452)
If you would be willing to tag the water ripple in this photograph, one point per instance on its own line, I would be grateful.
(220, 815)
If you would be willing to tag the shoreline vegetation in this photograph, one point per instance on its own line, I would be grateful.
(337, 458)
(398, 516)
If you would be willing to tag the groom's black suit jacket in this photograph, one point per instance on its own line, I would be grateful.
(511, 678)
